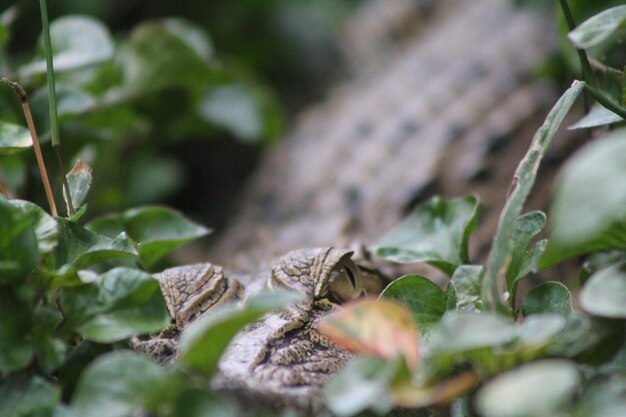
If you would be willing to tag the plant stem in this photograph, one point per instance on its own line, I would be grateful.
(3, 190)
(37, 148)
(582, 55)
(52, 100)
(605, 102)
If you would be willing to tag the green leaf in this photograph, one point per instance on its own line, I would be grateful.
(201, 403)
(604, 294)
(78, 41)
(79, 181)
(527, 227)
(436, 232)
(46, 227)
(13, 139)
(79, 247)
(234, 108)
(504, 241)
(158, 230)
(423, 297)
(464, 330)
(28, 396)
(120, 384)
(363, 384)
(15, 325)
(467, 281)
(597, 116)
(537, 389)
(549, 297)
(204, 341)
(194, 35)
(119, 303)
(159, 55)
(18, 244)
(598, 28)
(536, 333)
(589, 207)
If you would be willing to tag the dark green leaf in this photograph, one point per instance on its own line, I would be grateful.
(79, 181)
(423, 297)
(200, 403)
(50, 352)
(18, 244)
(46, 227)
(467, 280)
(597, 116)
(13, 139)
(15, 325)
(24, 396)
(504, 241)
(549, 297)
(79, 247)
(598, 28)
(78, 41)
(363, 384)
(204, 341)
(158, 230)
(120, 384)
(589, 207)
(538, 389)
(436, 232)
(604, 294)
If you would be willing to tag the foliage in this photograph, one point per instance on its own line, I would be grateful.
(72, 294)
(480, 351)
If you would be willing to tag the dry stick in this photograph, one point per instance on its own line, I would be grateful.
(33, 134)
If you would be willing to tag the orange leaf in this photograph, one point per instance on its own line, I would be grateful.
(382, 328)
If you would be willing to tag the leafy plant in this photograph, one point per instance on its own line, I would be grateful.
(480, 350)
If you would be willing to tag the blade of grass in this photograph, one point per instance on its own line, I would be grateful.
(52, 99)
(37, 148)
(523, 180)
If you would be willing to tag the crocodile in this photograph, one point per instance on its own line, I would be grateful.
(449, 110)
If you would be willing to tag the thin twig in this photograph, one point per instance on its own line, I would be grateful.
(37, 148)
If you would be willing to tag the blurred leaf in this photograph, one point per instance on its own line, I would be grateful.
(549, 297)
(159, 230)
(422, 296)
(436, 232)
(121, 384)
(79, 181)
(589, 207)
(15, 324)
(71, 102)
(598, 28)
(77, 41)
(13, 139)
(467, 280)
(537, 331)
(49, 351)
(203, 342)
(156, 57)
(27, 396)
(18, 244)
(382, 328)
(201, 403)
(194, 35)
(604, 294)
(471, 336)
(411, 396)
(363, 384)
(528, 226)
(537, 389)
(152, 177)
(234, 108)
(504, 242)
(46, 227)
(597, 116)
(79, 247)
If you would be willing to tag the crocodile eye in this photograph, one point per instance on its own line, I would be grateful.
(344, 283)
